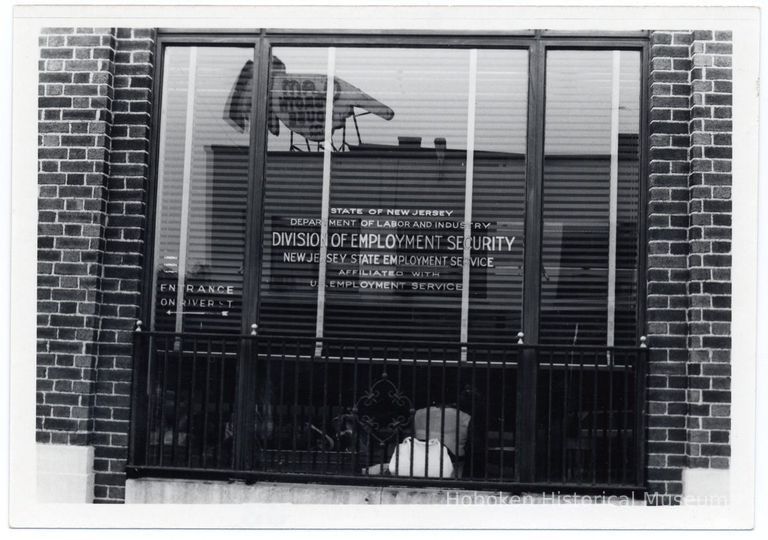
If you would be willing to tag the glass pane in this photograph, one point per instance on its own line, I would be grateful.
(398, 178)
(202, 189)
(395, 175)
(292, 192)
(400, 160)
(498, 196)
(590, 200)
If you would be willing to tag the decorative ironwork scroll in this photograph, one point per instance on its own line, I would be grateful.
(383, 411)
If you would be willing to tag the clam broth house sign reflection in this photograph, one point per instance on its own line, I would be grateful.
(298, 100)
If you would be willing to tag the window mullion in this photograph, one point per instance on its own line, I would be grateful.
(525, 456)
(252, 386)
(256, 164)
(533, 203)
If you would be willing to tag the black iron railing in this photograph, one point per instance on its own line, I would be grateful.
(339, 410)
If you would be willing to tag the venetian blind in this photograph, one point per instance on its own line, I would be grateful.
(592, 155)
(398, 187)
(202, 192)
(498, 194)
(292, 196)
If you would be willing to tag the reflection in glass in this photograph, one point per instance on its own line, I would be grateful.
(590, 198)
(395, 174)
(396, 274)
(292, 195)
(298, 100)
(202, 192)
(498, 195)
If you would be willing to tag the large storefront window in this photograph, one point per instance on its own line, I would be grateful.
(352, 233)
(395, 190)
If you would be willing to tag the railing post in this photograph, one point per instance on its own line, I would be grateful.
(641, 366)
(139, 397)
(245, 400)
(525, 428)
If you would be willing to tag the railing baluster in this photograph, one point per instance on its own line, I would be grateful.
(398, 434)
(220, 428)
(163, 390)
(176, 397)
(564, 426)
(371, 454)
(206, 399)
(579, 412)
(641, 360)
(459, 450)
(488, 368)
(295, 411)
(190, 408)
(152, 364)
(473, 422)
(311, 454)
(551, 375)
(233, 411)
(610, 439)
(502, 426)
(254, 350)
(414, 408)
(325, 410)
(625, 426)
(442, 412)
(429, 409)
(593, 434)
(356, 426)
(342, 462)
(383, 445)
(265, 436)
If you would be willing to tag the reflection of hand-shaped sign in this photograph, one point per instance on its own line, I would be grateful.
(298, 100)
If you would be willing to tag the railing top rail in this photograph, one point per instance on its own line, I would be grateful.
(475, 345)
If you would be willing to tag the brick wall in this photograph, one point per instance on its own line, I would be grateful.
(94, 141)
(689, 255)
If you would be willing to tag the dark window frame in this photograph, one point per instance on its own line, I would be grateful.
(537, 43)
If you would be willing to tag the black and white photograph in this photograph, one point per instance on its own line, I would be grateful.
(453, 262)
